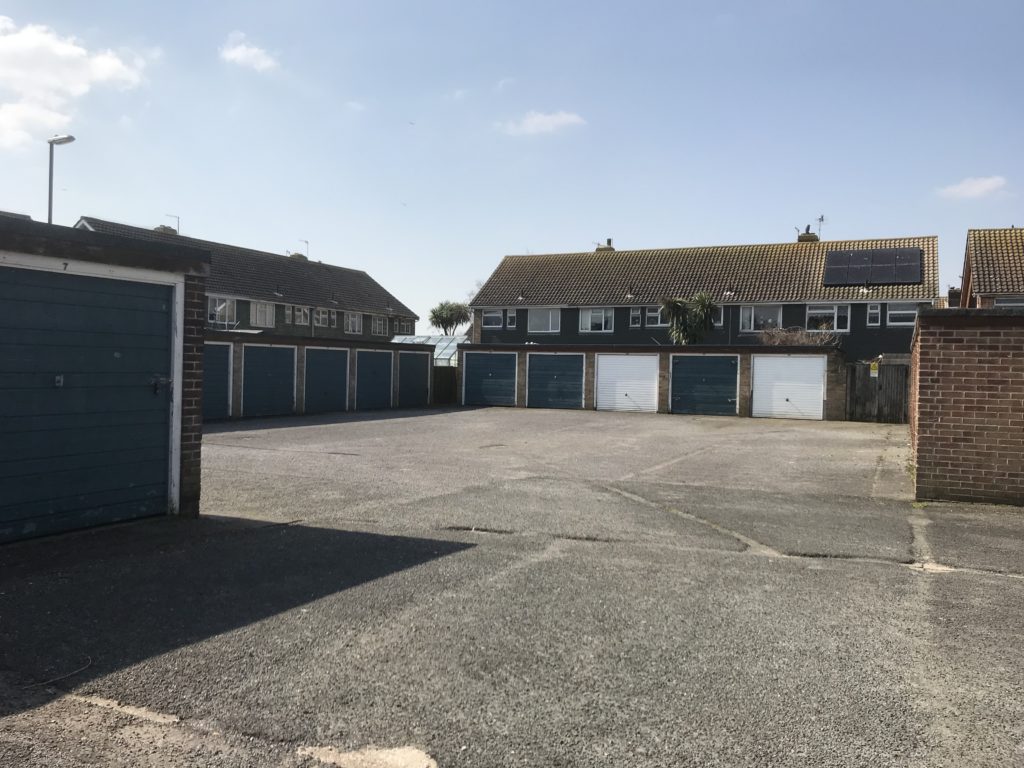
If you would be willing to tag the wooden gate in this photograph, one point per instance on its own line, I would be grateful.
(445, 392)
(883, 398)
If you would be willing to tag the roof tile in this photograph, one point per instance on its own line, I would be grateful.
(997, 261)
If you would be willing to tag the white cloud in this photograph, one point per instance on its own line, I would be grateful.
(533, 123)
(504, 83)
(42, 74)
(459, 94)
(238, 50)
(355, 106)
(973, 187)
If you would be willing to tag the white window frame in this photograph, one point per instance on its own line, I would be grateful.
(492, 315)
(510, 318)
(876, 310)
(718, 316)
(300, 315)
(353, 322)
(636, 315)
(553, 326)
(408, 327)
(1008, 301)
(261, 314)
(660, 321)
(901, 309)
(378, 325)
(287, 314)
(750, 310)
(587, 315)
(228, 314)
(321, 318)
(334, 318)
(822, 309)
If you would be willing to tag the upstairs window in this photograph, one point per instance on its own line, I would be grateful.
(220, 311)
(407, 326)
(353, 322)
(717, 316)
(510, 318)
(762, 318)
(300, 315)
(493, 318)
(600, 320)
(379, 326)
(656, 317)
(901, 314)
(261, 314)
(635, 315)
(321, 318)
(334, 319)
(874, 315)
(1009, 301)
(544, 320)
(828, 317)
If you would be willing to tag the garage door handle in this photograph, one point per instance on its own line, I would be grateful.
(158, 382)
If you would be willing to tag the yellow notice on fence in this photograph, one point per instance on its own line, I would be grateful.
(874, 369)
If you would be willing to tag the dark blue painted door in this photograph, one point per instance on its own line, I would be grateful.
(216, 381)
(489, 379)
(326, 380)
(704, 384)
(413, 379)
(555, 381)
(85, 383)
(268, 381)
(373, 380)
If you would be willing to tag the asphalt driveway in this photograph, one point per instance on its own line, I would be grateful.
(503, 587)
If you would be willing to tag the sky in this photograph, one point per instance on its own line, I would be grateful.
(422, 141)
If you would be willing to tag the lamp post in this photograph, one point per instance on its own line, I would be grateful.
(65, 139)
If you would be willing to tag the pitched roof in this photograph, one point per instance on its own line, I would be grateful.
(248, 273)
(778, 272)
(996, 261)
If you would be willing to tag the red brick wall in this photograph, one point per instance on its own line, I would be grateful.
(967, 406)
(192, 395)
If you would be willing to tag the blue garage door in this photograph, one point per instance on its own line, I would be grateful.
(704, 384)
(326, 380)
(413, 379)
(555, 381)
(268, 381)
(85, 369)
(373, 380)
(216, 381)
(489, 379)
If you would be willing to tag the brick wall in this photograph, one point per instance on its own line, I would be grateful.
(192, 396)
(967, 405)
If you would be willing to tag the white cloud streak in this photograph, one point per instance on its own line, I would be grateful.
(43, 74)
(238, 50)
(536, 123)
(972, 188)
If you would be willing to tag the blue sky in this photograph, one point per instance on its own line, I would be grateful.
(422, 141)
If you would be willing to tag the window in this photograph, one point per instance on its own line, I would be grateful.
(544, 320)
(300, 315)
(261, 314)
(656, 317)
(407, 326)
(597, 320)
(353, 322)
(510, 318)
(1010, 301)
(635, 313)
(901, 314)
(221, 311)
(287, 314)
(334, 319)
(321, 318)
(493, 318)
(828, 317)
(753, 319)
(717, 316)
(874, 315)
(379, 325)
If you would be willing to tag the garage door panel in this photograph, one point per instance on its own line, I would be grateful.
(131, 322)
(70, 339)
(64, 284)
(34, 445)
(627, 383)
(413, 379)
(15, 427)
(787, 387)
(47, 520)
(31, 402)
(39, 469)
(326, 380)
(489, 379)
(373, 380)
(31, 357)
(704, 385)
(268, 381)
(13, 294)
(555, 381)
(149, 497)
(23, 489)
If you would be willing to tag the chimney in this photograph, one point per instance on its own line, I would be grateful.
(806, 236)
(953, 297)
(165, 230)
(607, 246)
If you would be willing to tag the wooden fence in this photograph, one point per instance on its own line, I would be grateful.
(883, 398)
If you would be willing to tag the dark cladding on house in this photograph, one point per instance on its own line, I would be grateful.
(866, 292)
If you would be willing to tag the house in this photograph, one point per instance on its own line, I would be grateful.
(261, 292)
(867, 292)
(993, 268)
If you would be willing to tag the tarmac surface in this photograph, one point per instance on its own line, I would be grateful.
(507, 587)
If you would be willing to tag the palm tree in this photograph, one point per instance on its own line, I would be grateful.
(689, 320)
(449, 315)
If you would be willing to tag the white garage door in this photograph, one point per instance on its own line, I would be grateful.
(789, 387)
(627, 383)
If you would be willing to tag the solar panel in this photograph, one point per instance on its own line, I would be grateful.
(873, 266)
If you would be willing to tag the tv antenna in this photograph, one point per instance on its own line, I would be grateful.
(177, 221)
(820, 220)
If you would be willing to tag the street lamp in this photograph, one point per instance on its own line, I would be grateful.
(65, 139)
